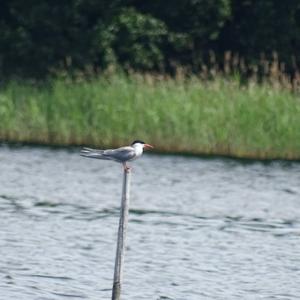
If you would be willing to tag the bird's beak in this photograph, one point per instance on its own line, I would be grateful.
(148, 146)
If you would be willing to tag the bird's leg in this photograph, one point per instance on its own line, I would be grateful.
(126, 168)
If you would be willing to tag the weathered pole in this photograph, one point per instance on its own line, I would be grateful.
(119, 262)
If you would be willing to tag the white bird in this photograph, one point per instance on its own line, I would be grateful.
(121, 155)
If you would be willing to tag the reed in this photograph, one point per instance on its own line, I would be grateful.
(184, 114)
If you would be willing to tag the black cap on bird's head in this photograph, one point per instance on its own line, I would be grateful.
(137, 142)
(141, 142)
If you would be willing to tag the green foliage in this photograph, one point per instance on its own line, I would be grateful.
(133, 40)
(201, 20)
(190, 116)
(264, 27)
(38, 38)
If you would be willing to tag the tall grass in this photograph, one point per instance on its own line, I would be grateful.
(186, 115)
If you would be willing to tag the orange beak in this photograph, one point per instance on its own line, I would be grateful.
(148, 146)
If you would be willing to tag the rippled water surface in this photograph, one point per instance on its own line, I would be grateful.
(198, 228)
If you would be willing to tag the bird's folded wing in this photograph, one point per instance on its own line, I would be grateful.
(121, 154)
(93, 153)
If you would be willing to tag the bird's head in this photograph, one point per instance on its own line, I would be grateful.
(138, 143)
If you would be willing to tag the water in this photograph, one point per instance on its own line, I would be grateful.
(198, 228)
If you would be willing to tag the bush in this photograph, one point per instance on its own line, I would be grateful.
(39, 37)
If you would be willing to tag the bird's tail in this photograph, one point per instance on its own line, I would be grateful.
(93, 153)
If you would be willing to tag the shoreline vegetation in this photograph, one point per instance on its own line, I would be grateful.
(183, 114)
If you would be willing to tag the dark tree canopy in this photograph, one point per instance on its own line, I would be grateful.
(37, 37)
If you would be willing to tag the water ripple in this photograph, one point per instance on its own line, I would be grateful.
(198, 228)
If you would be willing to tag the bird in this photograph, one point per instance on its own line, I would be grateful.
(120, 155)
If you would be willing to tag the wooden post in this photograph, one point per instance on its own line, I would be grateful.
(118, 274)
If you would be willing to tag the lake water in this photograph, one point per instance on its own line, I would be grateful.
(198, 228)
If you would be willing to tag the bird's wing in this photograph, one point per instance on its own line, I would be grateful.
(121, 154)
(93, 153)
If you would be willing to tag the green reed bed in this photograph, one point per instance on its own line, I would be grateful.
(176, 115)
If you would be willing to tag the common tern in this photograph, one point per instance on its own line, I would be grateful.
(121, 155)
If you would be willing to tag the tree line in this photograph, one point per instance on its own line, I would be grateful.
(38, 38)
